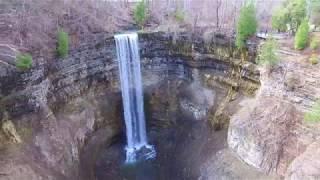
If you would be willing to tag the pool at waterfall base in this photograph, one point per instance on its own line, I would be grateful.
(132, 96)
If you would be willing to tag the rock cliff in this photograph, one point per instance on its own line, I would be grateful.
(59, 108)
(269, 132)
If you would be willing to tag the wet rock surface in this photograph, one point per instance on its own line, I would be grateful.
(60, 109)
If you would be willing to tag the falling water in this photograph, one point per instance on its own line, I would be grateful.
(132, 97)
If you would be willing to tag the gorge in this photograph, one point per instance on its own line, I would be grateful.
(69, 116)
(159, 90)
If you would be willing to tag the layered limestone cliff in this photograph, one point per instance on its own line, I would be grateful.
(53, 113)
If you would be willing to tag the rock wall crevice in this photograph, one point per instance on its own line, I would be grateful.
(62, 102)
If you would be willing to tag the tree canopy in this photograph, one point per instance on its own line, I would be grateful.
(292, 13)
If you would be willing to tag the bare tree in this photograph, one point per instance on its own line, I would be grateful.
(218, 6)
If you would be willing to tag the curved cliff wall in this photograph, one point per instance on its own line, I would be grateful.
(57, 107)
(95, 64)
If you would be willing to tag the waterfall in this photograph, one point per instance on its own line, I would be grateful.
(132, 97)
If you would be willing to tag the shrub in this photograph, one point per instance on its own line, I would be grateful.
(314, 44)
(267, 53)
(247, 24)
(139, 13)
(179, 16)
(314, 114)
(24, 61)
(63, 43)
(301, 37)
(314, 59)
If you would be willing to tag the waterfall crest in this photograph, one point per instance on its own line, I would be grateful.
(132, 97)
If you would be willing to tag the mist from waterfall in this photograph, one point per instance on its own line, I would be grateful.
(132, 96)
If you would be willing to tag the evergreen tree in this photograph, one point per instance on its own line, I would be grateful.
(247, 24)
(63, 43)
(140, 14)
(267, 53)
(301, 38)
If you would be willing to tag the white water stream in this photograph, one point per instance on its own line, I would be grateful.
(132, 96)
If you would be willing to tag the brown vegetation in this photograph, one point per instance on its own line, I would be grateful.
(31, 25)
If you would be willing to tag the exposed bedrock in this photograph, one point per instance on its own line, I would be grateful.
(269, 132)
(58, 110)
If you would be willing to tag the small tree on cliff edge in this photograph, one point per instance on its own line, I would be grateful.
(267, 53)
(301, 38)
(63, 43)
(247, 24)
(140, 14)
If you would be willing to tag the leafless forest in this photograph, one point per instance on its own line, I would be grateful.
(31, 25)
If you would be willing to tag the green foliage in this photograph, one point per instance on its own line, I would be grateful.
(247, 24)
(63, 43)
(292, 13)
(140, 14)
(301, 38)
(314, 59)
(24, 61)
(314, 114)
(280, 19)
(314, 44)
(297, 13)
(179, 15)
(267, 53)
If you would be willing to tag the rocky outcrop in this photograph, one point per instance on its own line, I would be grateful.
(269, 132)
(306, 166)
(226, 165)
(53, 147)
(57, 107)
(263, 136)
